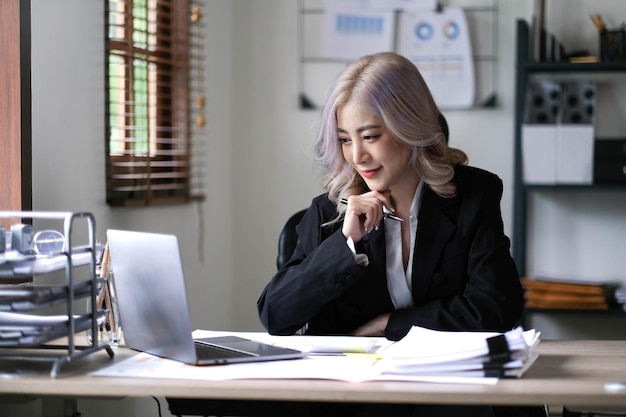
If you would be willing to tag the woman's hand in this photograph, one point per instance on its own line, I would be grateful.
(375, 327)
(364, 213)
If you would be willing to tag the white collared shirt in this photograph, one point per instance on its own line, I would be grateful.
(399, 279)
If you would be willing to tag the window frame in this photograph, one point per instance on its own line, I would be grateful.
(153, 168)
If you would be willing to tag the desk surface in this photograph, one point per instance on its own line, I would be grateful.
(567, 372)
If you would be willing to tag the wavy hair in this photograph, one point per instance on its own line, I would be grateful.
(390, 86)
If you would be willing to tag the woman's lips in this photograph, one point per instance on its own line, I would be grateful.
(369, 173)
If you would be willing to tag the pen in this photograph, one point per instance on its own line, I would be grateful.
(386, 214)
(598, 22)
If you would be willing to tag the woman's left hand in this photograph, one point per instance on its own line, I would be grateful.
(375, 327)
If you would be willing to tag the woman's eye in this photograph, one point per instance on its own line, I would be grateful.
(344, 140)
(371, 137)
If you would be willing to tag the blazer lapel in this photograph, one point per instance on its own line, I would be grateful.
(434, 230)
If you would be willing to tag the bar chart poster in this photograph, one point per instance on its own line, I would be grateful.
(351, 31)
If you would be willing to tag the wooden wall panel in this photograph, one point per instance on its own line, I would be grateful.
(15, 107)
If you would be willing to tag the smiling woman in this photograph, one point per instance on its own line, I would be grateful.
(155, 101)
(357, 271)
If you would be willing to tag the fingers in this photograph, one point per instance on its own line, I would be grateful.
(375, 327)
(364, 213)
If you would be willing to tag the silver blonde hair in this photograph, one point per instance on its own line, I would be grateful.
(390, 86)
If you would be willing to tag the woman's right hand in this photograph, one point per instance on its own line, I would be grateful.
(364, 213)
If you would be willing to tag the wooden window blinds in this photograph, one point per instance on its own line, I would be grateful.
(155, 102)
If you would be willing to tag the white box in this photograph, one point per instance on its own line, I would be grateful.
(539, 153)
(575, 154)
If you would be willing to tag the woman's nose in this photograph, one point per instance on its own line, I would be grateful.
(358, 153)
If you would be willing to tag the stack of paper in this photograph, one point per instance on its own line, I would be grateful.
(330, 345)
(425, 352)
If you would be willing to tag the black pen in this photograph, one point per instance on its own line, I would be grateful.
(386, 214)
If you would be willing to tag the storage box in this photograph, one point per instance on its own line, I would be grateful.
(610, 149)
(539, 132)
(575, 133)
(574, 154)
(539, 153)
(558, 132)
(609, 172)
(609, 161)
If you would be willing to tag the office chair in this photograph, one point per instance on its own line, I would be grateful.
(288, 239)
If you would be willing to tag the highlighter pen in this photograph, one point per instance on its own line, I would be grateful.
(386, 214)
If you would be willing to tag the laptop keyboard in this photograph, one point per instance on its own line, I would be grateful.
(205, 351)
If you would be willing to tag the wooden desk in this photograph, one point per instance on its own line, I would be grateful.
(571, 373)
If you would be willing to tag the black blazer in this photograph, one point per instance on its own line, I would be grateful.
(463, 275)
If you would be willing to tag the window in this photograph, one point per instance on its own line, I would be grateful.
(155, 102)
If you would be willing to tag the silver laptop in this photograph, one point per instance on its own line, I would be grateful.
(152, 301)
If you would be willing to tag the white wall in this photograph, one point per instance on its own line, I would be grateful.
(271, 164)
(68, 146)
(273, 167)
(259, 167)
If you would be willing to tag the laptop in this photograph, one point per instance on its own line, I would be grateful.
(153, 307)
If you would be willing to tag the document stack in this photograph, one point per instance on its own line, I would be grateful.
(425, 352)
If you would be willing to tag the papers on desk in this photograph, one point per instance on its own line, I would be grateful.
(330, 345)
(423, 355)
(461, 354)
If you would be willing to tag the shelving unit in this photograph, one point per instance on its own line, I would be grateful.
(528, 70)
(26, 335)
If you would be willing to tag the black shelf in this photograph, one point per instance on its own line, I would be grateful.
(583, 67)
(525, 70)
(575, 187)
(611, 311)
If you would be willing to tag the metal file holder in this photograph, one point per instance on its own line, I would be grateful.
(70, 258)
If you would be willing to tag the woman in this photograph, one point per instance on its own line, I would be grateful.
(445, 266)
